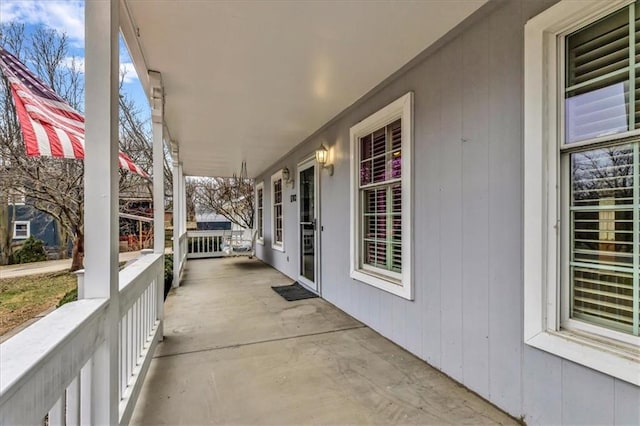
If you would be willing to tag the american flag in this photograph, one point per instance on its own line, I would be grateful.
(50, 127)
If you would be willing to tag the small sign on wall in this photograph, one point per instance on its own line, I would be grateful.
(292, 198)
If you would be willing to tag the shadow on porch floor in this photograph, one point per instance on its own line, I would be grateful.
(237, 353)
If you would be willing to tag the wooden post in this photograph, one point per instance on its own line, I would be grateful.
(101, 196)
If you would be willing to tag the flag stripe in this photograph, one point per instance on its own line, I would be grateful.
(54, 142)
(78, 146)
(40, 140)
(50, 127)
(32, 134)
(65, 143)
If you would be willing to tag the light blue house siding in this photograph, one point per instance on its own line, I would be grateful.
(467, 316)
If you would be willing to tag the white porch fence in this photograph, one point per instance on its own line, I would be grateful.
(47, 368)
(203, 244)
(179, 260)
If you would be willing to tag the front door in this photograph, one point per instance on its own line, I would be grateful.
(307, 233)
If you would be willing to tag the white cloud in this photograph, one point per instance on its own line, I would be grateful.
(74, 62)
(64, 16)
(128, 70)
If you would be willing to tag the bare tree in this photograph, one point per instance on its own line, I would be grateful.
(56, 186)
(53, 186)
(232, 198)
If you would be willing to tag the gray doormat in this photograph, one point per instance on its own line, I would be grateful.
(294, 292)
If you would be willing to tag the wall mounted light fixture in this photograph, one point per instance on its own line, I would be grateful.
(322, 156)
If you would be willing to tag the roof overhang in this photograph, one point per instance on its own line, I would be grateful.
(249, 80)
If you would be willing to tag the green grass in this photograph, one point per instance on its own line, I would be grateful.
(23, 298)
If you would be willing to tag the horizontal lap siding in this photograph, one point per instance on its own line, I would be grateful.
(466, 318)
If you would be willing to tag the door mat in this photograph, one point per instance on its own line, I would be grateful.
(294, 292)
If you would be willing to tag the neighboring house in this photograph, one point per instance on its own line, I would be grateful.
(136, 223)
(214, 222)
(25, 221)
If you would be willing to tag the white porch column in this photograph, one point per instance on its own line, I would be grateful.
(184, 199)
(177, 221)
(101, 196)
(157, 112)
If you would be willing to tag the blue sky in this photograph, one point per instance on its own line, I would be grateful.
(67, 16)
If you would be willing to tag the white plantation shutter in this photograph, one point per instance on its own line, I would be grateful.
(381, 198)
(597, 81)
(277, 211)
(602, 98)
(602, 214)
(260, 218)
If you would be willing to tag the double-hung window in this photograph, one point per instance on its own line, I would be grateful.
(381, 201)
(260, 213)
(21, 229)
(582, 184)
(277, 214)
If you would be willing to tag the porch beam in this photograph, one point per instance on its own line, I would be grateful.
(101, 196)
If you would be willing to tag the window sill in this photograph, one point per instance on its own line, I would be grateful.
(618, 360)
(278, 247)
(399, 289)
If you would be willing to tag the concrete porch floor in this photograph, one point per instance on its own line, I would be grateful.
(235, 352)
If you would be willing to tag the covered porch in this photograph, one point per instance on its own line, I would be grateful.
(235, 352)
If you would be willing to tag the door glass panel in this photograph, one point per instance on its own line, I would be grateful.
(307, 224)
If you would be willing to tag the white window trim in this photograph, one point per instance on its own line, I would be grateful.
(260, 240)
(274, 245)
(21, 222)
(542, 206)
(400, 108)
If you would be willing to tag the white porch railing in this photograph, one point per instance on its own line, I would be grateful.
(183, 250)
(205, 244)
(46, 368)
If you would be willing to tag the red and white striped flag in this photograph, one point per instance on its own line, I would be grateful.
(50, 127)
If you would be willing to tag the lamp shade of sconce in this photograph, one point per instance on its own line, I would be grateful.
(322, 156)
(286, 177)
(286, 174)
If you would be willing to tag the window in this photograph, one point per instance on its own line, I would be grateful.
(380, 202)
(260, 213)
(21, 229)
(277, 213)
(582, 185)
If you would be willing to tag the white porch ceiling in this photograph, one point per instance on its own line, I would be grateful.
(249, 80)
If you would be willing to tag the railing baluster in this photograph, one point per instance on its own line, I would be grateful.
(73, 402)
(134, 313)
(121, 379)
(140, 331)
(85, 393)
(56, 414)
(145, 298)
(143, 314)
